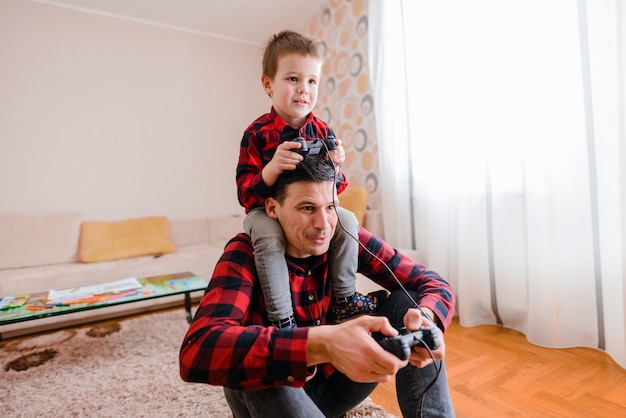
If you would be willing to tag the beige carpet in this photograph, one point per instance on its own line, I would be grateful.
(125, 368)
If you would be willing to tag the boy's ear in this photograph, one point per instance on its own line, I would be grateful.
(267, 84)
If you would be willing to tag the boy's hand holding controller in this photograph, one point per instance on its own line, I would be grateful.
(338, 155)
(284, 159)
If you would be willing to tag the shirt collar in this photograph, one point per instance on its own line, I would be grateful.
(280, 124)
(305, 264)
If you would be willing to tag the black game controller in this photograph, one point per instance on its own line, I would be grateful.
(315, 146)
(401, 344)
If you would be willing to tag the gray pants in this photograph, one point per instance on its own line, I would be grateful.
(336, 395)
(268, 241)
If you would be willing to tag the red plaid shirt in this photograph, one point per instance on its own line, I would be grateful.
(258, 146)
(230, 343)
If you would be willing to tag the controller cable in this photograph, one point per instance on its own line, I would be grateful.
(436, 364)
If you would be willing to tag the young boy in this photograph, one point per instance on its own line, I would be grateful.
(292, 65)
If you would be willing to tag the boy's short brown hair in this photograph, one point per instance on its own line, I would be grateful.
(287, 42)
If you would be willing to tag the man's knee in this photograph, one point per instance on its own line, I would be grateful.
(396, 305)
(272, 402)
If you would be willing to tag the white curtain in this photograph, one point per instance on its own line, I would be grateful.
(503, 158)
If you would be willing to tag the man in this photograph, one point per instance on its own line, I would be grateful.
(316, 369)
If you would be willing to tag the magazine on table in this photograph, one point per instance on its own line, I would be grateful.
(83, 292)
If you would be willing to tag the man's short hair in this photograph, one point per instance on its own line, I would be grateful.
(288, 42)
(314, 168)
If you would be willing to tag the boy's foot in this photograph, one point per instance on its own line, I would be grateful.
(285, 323)
(359, 304)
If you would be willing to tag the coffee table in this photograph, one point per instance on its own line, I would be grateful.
(152, 288)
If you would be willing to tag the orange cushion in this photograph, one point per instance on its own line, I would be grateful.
(355, 200)
(103, 241)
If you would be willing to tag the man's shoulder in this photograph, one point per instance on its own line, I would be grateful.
(371, 246)
(240, 242)
(365, 236)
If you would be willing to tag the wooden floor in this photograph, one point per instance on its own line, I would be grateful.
(496, 372)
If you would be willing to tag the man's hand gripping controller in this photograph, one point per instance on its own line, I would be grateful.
(315, 146)
(401, 344)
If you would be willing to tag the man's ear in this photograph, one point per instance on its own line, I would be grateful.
(267, 84)
(271, 205)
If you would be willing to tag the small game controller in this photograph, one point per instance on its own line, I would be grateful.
(401, 344)
(315, 146)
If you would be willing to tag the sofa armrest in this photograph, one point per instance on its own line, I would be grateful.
(373, 222)
(365, 285)
(223, 229)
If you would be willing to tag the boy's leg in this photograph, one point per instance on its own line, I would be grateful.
(344, 253)
(268, 242)
(411, 381)
(344, 256)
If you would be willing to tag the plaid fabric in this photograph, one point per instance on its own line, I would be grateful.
(230, 343)
(257, 148)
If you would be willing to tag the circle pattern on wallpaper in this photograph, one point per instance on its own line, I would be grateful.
(342, 65)
(344, 37)
(345, 101)
(325, 19)
(346, 110)
(362, 83)
(367, 104)
(330, 85)
(323, 48)
(356, 63)
(325, 115)
(361, 26)
(367, 160)
(371, 182)
(360, 140)
(346, 134)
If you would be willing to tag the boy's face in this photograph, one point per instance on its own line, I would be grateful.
(294, 88)
(307, 217)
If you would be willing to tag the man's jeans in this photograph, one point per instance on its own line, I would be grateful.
(334, 396)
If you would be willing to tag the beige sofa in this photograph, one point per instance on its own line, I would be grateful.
(39, 252)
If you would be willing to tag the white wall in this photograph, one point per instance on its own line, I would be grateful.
(116, 119)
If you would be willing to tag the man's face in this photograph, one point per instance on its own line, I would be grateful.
(307, 216)
(294, 88)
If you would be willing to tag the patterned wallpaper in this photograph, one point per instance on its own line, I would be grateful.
(345, 100)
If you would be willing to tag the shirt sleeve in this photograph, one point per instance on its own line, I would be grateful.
(342, 182)
(251, 189)
(223, 347)
(434, 292)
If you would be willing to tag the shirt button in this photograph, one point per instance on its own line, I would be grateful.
(311, 297)
(290, 379)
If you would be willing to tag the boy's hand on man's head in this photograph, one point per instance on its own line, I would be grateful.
(285, 158)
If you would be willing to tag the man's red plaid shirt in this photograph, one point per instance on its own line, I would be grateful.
(230, 342)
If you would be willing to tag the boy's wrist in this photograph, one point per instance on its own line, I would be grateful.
(268, 175)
